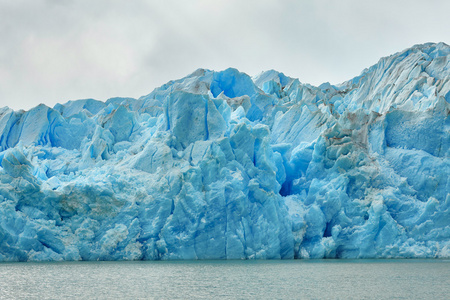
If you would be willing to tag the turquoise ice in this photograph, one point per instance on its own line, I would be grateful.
(220, 165)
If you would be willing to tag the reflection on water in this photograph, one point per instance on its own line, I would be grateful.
(299, 279)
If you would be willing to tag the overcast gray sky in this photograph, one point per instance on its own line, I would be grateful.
(58, 50)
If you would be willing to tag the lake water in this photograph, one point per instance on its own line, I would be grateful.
(299, 279)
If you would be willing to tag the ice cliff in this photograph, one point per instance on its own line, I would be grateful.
(219, 165)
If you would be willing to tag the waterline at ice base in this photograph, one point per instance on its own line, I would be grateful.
(221, 165)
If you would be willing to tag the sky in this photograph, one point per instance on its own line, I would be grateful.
(53, 51)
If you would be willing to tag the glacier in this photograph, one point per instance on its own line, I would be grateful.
(221, 165)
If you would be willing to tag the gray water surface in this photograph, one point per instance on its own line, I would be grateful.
(299, 279)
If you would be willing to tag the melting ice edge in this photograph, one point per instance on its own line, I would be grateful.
(219, 165)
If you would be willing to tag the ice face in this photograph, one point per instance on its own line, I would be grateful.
(219, 165)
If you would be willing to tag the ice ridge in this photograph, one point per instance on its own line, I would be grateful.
(220, 165)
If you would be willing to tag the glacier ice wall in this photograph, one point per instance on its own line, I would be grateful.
(219, 165)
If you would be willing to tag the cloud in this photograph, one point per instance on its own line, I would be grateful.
(53, 51)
